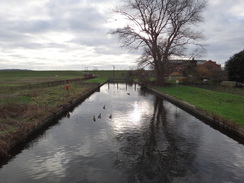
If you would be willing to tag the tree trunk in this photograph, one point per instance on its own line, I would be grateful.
(160, 75)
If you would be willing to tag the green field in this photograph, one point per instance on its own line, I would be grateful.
(96, 80)
(227, 106)
(21, 77)
(110, 73)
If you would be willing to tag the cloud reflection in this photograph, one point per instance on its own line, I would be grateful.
(131, 118)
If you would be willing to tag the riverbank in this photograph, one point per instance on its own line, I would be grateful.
(212, 118)
(25, 112)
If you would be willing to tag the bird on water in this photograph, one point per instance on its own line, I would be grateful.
(104, 107)
(99, 116)
(94, 118)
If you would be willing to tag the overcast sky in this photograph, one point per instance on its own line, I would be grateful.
(73, 34)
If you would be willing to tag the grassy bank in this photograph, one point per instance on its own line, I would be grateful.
(23, 110)
(227, 106)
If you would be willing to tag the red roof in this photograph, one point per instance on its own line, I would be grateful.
(212, 64)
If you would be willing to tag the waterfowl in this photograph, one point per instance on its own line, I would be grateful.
(99, 116)
(128, 93)
(104, 107)
(110, 116)
(94, 118)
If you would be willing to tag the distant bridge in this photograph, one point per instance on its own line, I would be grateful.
(120, 80)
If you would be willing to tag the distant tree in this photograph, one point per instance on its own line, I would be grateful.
(191, 67)
(219, 75)
(235, 67)
(214, 74)
(162, 29)
(203, 72)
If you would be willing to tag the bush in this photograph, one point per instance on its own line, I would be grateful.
(235, 67)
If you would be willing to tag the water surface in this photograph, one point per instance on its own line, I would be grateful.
(146, 140)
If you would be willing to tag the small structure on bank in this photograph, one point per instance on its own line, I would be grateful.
(176, 76)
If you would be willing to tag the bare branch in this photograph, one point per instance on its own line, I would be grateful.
(162, 27)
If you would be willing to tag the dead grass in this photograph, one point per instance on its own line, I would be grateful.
(23, 111)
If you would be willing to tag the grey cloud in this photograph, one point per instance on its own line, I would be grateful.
(223, 30)
(36, 26)
(76, 18)
(85, 21)
(62, 18)
(86, 26)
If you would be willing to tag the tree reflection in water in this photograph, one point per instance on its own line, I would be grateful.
(158, 153)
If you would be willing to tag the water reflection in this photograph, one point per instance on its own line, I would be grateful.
(146, 140)
(157, 154)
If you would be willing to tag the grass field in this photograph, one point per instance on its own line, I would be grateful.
(21, 77)
(11, 78)
(110, 73)
(47, 96)
(23, 106)
(227, 106)
(23, 109)
(96, 80)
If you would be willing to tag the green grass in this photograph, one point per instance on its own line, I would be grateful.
(20, 77)
(152, 78)
(45, 96)
(17, 78)
(96, 80)
(15, 99)
(227, 106)
(110, 73)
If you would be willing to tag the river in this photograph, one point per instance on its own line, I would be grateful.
(139, 138)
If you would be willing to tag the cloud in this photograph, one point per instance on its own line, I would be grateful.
(73, 34)
(223, 28)
(43, 34)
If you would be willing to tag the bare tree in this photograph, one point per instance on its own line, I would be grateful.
(162, 29)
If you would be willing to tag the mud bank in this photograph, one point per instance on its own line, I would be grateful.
(22, 135)
(224, 125)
